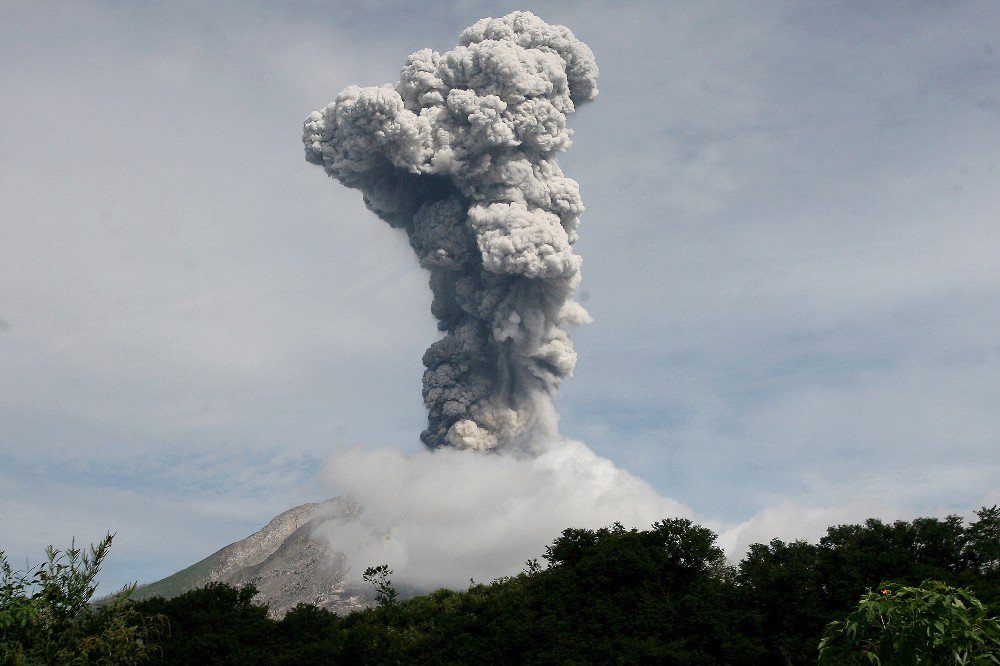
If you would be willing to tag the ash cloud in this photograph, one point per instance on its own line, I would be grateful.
(460, 154)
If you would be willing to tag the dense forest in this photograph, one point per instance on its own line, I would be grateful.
(613, 595)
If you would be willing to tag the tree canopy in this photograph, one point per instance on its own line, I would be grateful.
(611, 595)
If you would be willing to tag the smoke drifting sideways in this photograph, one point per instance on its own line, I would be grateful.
(460, 154)
(440, 517)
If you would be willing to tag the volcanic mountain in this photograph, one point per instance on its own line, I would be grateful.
(284, 560)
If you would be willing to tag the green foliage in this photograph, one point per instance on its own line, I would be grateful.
(982, 543)
(46, 614)
(608, 596)
(932, 623)
(781, 589)
(217, 624)
(791, 591)
(611, 595)
(856, 557)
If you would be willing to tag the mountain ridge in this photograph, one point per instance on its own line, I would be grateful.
(283, 559)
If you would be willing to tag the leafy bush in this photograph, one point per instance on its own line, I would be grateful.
(932, 623)
(46, 614)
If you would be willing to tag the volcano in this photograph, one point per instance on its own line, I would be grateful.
(284, 560)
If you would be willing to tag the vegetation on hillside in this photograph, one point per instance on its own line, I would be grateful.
(613, 595)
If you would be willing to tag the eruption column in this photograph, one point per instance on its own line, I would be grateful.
(461, 155)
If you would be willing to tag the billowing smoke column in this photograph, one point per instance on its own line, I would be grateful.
(461, 155)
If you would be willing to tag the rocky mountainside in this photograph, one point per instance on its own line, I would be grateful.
(284, 560)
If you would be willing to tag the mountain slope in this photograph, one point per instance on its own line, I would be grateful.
(283, 559)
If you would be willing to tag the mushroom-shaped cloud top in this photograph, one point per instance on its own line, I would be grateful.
(460, 153)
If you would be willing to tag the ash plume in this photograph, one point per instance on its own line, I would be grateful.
(460, 154)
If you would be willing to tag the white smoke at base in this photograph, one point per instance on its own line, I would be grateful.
(439, 517)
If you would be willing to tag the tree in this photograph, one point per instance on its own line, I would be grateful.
(853, 558)
(385, 593)
(217, 624)
(780, 588)
(661, 595)
(932, 623)
(981, 545)
(46, 613)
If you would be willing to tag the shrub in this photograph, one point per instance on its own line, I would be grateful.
(46, 613)
(932, 623)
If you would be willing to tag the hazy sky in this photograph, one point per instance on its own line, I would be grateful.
(790, 252)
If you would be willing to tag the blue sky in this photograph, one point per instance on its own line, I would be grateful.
(790, 254)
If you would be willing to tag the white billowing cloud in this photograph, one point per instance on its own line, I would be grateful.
(793, 521)
(440, 517)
